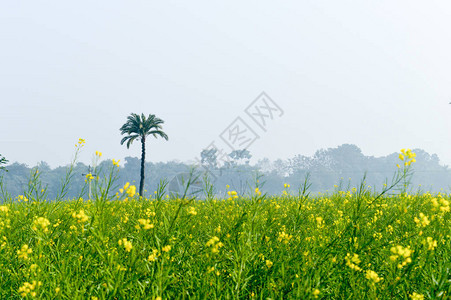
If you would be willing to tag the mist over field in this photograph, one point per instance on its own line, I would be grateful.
(340, 168)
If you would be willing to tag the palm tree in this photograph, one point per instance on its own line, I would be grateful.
(140, 127)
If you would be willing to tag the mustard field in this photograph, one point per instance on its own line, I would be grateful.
(349, 244)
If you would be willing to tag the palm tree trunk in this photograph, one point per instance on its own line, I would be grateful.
(143, 158)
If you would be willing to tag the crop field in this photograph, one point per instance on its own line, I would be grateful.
(350, 244)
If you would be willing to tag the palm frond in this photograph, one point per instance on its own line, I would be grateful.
(129, 139)
(142, 126)
(156, 133)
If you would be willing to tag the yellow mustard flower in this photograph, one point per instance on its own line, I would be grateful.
(81, 217)
(126, 243)
(416, 296)
(371, 275)
(269, 263)
(41, 224)
(24, 251)
(192, 210)
(145, 223)
(116, 162)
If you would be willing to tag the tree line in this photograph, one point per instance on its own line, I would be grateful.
(341, 167)
(328, 169)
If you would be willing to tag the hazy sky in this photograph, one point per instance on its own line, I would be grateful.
(373, 73)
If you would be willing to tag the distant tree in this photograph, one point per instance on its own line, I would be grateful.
(240, 156)
(208, 158)
(299, 163)
(3, 161)
(139, 127)
(43, 166)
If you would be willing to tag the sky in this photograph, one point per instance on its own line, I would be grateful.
(372, 73)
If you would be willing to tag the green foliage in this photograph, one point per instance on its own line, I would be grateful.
(351, 244)
(140, 126)
(3, 161)
(291, 247)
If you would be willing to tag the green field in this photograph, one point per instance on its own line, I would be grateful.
(345, 245)
(350, 244)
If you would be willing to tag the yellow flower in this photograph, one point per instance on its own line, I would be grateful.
(269, 263)
(192, 210)
(403, 252)
(353, 261)
(422, 221)
(81, 217)
(215, 244)
(212, 241)
(116, 163)
(29, 288)
(284, 237)
(22, 198)
(410, 154)
(89, 177)
(42, 223)
(316, 293)
(431, 243)
(24, 251)
(145, 223)
(371, 275)
(416, 296)
(232, 195)
(127, 244)
(410, 157)
(319, 221)
(257, 191)
(131, 191)
(215, 249)
(153, 256)
(166, 248)
(98, 153)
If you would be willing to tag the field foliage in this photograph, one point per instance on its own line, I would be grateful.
(351, 244)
